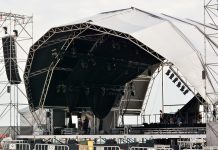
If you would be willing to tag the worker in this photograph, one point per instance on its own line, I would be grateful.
(86, 125)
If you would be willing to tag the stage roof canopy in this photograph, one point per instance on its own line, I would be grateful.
(178, 41)
(125, 42)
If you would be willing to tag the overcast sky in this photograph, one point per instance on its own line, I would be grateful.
(50, 13)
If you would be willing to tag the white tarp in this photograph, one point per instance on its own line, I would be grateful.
(178, 42)
(27, 119)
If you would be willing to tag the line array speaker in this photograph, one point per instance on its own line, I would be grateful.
(10, 59)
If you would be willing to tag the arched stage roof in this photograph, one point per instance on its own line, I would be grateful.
(93, 58)
(178, 41)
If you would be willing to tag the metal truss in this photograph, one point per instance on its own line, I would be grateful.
(21, 28)
(148, 92)
(54, 64)
(43, 41)
(211, 46)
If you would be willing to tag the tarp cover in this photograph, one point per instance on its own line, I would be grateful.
(116, 59)
(179, 42)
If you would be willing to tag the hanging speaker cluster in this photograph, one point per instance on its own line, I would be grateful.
(177, 81)
(10, 58)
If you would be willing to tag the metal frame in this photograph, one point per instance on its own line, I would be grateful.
(24, 25)
(77, 30)
(148, 93)
(124, 138)
(210, 40)
(50, 147)
(16, 146)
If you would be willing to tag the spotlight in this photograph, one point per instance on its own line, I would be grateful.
(185, 92)
(168, 72)
(87, 91)
(182, 88)
(93, 62)
(58, 89)
(108, 67)
(54, 53)
(176, 79)
(171, 76)
(203, 74)
(178, 84)
(64, 88)
(15, 33)
(149, 72)
(84, 65)
(113, 45)
(132, 93)
(8, 89)
(6, 30)
(73, 51)
(102, 91)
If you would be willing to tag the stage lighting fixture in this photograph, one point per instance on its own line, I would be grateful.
(132, 93)
(168, 72)
(87, 91)
(171, 76)
(178, 84)
(93, 62)
(73, 51)
(203, 74)
(58, 89)
(185, 92)
(54, 53)
(64, 88)
(174, 80)
(84, 65)
(15, 33)
(182, 88)
(149, 72)
(6, 30)
(103, 91)
(113, 45)
(8, 89)
(108, 67)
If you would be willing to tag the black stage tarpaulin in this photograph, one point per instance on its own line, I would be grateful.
(82, 68)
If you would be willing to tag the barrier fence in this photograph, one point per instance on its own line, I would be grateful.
(104, 148)
(211, 148)
(16, 146)
(23, 145)
(150, 148)
(50, 147)
(142, 148)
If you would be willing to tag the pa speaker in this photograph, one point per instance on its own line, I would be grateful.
(10, 59)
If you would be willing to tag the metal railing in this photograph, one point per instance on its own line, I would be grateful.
(50, 147)
(142, 148)
(210, 148)
(150, 148)
(179, 130)
(105, 148)
(16, 146)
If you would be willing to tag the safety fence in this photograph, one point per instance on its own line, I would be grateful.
(150, 148)
(142, 148)
(104, 148)
(50, 147)
(211, 148)
(16, 146)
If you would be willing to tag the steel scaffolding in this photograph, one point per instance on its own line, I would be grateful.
(20, 27)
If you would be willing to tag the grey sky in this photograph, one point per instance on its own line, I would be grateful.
(49, 13)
